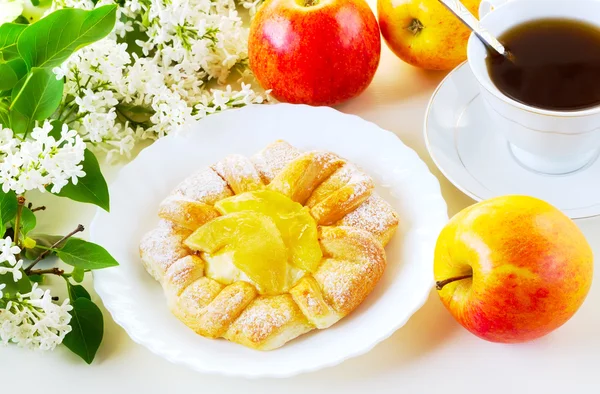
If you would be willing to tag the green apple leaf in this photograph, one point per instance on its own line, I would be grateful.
(85, 255)
(92, 188)
(51, 40)
(87, 329)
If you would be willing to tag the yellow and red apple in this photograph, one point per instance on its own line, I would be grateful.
(424, 33)
(512, 268)
(316, 52)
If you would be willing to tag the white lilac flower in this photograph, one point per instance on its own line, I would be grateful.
(41, 160)
(192, 63)
(33, 321)
(2, 286)
(10, 10)
(8, 260)
(8, 250)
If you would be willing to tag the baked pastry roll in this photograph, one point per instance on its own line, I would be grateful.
(309, 221)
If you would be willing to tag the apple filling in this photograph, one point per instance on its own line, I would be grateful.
(262, 237)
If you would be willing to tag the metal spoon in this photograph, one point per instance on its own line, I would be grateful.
(462, 13)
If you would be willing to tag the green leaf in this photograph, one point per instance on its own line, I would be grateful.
(135, 113)
(11, 72)
(43, 240)
(46, 239)
(28, 221)
(56, 129)
(8, 205)
(21, 19)
(39, 279)
(92, 188)
(22, 286)
(85, 255)
(20, 124)
(9, 33)
(130, 39)
(78, 291)
(51, 40)
(78, 274)
(36, 96)
(87, 329)
(4, 117)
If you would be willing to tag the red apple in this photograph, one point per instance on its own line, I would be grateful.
(316, 52)
(512, 268)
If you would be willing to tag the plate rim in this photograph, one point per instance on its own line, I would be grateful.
(439, 203)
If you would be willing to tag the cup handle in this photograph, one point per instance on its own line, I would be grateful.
(487, 6)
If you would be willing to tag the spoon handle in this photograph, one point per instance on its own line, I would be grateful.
(462, 13)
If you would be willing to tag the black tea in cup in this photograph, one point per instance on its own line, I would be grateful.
(556, 67)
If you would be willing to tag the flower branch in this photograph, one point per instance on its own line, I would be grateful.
(52, 271)
(52, 248)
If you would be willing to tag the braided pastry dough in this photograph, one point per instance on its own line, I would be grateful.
(353, 224)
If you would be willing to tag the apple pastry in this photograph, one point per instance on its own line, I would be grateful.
(262, 250)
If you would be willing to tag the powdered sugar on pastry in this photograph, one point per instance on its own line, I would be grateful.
(204, 186)
(271, 160)
(215, 298)
(376, 216)
(239, 173)
(162, 246)
(269, 322)
(340, 194)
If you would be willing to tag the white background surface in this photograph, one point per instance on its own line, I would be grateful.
(431, 354)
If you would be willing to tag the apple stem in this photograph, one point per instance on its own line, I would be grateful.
(440, 284)
(415, 26)
(310, 3)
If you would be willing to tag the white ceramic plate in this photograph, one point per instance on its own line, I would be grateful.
(136, 301)
(477, 159)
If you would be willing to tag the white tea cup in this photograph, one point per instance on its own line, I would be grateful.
(547, 141)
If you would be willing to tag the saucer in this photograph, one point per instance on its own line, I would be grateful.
(478, 160)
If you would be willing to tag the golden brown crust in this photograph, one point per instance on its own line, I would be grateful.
(186, 214)
(190, 305)
(354, 259)
(182, 273)
(299, 178)
(239, 173)
(309, 297)
(162, 246)
(204, 186)
(353, 265)
(271, 160)
(340, 194)
(269, 322)
(225, 308)
(376, 216)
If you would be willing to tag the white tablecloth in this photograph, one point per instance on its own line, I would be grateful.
(431, 354)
